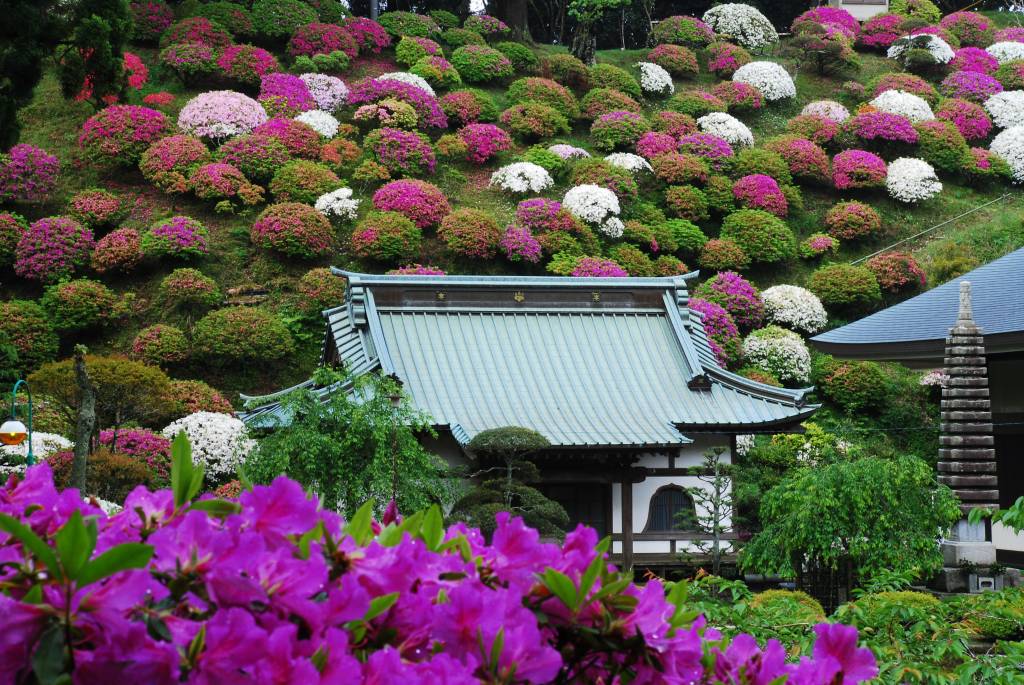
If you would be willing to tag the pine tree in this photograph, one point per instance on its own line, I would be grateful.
(90, 60)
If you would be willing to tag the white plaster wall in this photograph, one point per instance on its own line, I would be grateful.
(864, 12)
(1006, 539)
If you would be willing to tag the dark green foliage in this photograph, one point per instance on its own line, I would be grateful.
(853, 385)
(90, 62)
(522, 57)
(27, 35)
(8, 360)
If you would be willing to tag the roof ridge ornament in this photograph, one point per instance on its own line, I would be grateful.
(966, 314)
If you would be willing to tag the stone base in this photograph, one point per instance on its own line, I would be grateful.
(956, 552)
(949, 580)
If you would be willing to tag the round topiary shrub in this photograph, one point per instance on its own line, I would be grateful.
(437, 71)
(108, 475)
(256, 156)
(736, 295)
(222, 182)
(600, 101)
(246, 64)
(320, 289)
(189, 288)
(190, 62)
(160, 345)
(303, 181)
(675, 59)
(31, 331)
(52, 248)
(119, 134)
(150, 18)
(27, 174)
(897, 271)
(763, 236)
(522, 58)
(220, 114)
(781, 353)
(852, 221)
(458, 37)
(600, 173)
(12, 226)
(723, 335)
(293, 229)
(683, 30)
(806, 160)
(618, 129)
(118, 251)
(567, 70)
(386, 237)
(696, 103)
(180, 237)
(242, 335)
(276, 20)
(532, 121)
(795, 308)
(686, 236)
(799, 605)
(469, 106)
(845, 288)
(96, 208)
(900, 80)
(317, 38)
(370, 35)
(399, 24)
(168, 162)
(858, 169)
(483, 141)
(235, 18)
(401, 152)
(80, 304)
(677, 168)
(481, 64)
(941, 144)
(725, 58)
(610, 76)
(853, 385)
(547, 92)
(486, 25)
(422, 202)
(758, 191)
(299, 138)
(687, 202)
(471, 233)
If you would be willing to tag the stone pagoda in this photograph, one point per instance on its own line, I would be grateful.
(967, 459)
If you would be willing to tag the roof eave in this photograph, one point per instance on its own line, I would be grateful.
(357, 278)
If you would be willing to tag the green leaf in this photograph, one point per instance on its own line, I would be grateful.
(195, 648)
(433, 528)
(49, 659)
(496, 647)
(120, 558)
(74, 545)
(34, 595)
(378, 605)
(589, 576)
(561, 586)
(319, 658)
(181, 469)
(244, 479)
(360, 528)
(307, 539)
(613, 588)
(978, 514)
(32, 543)
(219, 508)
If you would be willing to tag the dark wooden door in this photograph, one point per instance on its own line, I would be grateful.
(586, 503)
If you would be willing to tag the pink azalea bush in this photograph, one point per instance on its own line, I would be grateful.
(880, 31)
(974, 59)
(598, 266)
(119, 134)
(814, 127)
(1012, 34)
(222, 181)
(758, 191)
(118, 251)
(168, 162)
(897, 271)
(725, 58)
(27, 174)
(427, 107)
(715, 150)
(484, 141)
(96, 207)
(151, 448)
(355, 601)
(540, 214)
(970, 85)
(654, 143)
(285, 94)
(852, 220)
(806, 160)
(422, 202)
(293, 229)
(723, 335)
(402, 152)
(519, 245)
(368, 34)
(858, 169)
(246, 63)
(320, 39)
(299, 138)
(881, 127)
(736, 295)
(970, 28)
(52, 249)
(831, 16)
(970, 118)
(417, 270)
(221, 114)
(178, 236)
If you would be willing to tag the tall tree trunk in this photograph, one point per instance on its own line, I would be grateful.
(584, 44)
(515, 13)
(561, 22)
(86, 419)
(374, 9)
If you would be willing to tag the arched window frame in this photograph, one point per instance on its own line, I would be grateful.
(675, 526)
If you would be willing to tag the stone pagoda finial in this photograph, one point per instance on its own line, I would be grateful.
(965, 317)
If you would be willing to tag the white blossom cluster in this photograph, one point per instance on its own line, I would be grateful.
(522, 177)
(634, 164)
(912, 180)
(744, 443)
(12, 457)
(913, 107)
(941, 52)
(568, 151)
(1005, 51)
(782, 353)
(1006, 108)
(743, 23)
(220, 442)
(322, 122)
(338, 203)
(936, 378)
(1009, 145)
(726, 126)
(655, 79)
(220, 114)
(770, 78)
(411, 79)
(329, 92)
(595, 205)
(830, 109)
(795, 308)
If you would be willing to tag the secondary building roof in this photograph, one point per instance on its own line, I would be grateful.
(916, 329)
(615, 362)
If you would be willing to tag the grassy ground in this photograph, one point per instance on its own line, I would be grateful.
(53, 123)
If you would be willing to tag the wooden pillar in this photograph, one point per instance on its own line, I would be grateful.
(627, 522)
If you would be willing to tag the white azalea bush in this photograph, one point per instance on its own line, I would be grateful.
(913, 107)
(728, 127)
(220, 114)
(830, 109)
(12, 457)
(322, 122)
(596, 206)
(745, 443)
(566, 151)
(940, 50)
(1006, 51)
(770, 78)
(634, 164)
(220, 442)
(338, 204)
(654, 79)
(782, 353)
(912, 180)
(329, 92)
(1010, 146)
(795, 308)
(743, 23)
(411, 79)
(1006, 108)
(522, 177)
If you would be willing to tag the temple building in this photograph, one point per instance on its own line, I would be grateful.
(979, 338)
(616, 373)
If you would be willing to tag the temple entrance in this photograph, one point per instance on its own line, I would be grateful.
(586, 503)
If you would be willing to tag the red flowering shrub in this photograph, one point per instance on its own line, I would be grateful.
(852, 221)
(30, 331)
(340, 154)
(189, 288)
(255, 155)
(816, 128)
(484, 141)
(168, 162)
(96, 208)
(402, 152)
(738, 96)
(900, 80)
(678, 168)
(223, 182)
(674, 124)
(293, 229)
(881, 31)
(322, 39)
(858, 169)
(300, 139)
(470, 233)
(618, 129)
(599, 101)
(194, 396)
(303, 181)
(11, 227)
(546, 92)
(845, 288)
(320, 289)
(675, 59)
(160, 345)
(246, 63)
(119, 134)
(150, 18)
(542, 215)
(758, 191)
(386, 237)
(242, 335)
(52, 248)
(118, 251)
(725, 58)
(196, 30)
(469, 106)
(806, 160)
(736, 295)
(897, 271)
(80, 304)
(368, 34)
(135, 71)
(161, 99)
(533, 120)
(687, 202)
(422, 202)
(763, 236)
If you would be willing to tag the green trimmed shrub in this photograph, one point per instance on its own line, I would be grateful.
(412, 49)
(81, 304)
(242, 335)
(303, 181)
(532, 120)
(755, 160)
(481, 64)
(400, 24)
(458, 38)
(444, 19)
(386, 237)
(189, 288)
(471, 233)
(763, 236)
(160, 345)
(616, 78)
(845, 288)
(687, 236)
(600, 173)
(567, 70)
(600, 101)
(723, 255)
(696, 103)
(522, 58)
(941, 144)
(31, 331)
(546, 92)
(687, 202)
(854, 385)
(277, 20)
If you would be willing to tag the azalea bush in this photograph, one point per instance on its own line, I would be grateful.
(683, 30)
(27, 174)
(119, 134)
(52, 248)
(293, 229)
(220, 115)
(743, 24)
(386, 237)
(471, 233)
(118, 251)
(736, 295)
(845, 288)
(81, 304)
(779, 352)
(852, 220)
(795, 308)
(178, 237)
(858, 169)
(480, 64)
(762, 235)
(241, 335)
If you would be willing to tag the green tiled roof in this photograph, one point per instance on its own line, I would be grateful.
(586, 362)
